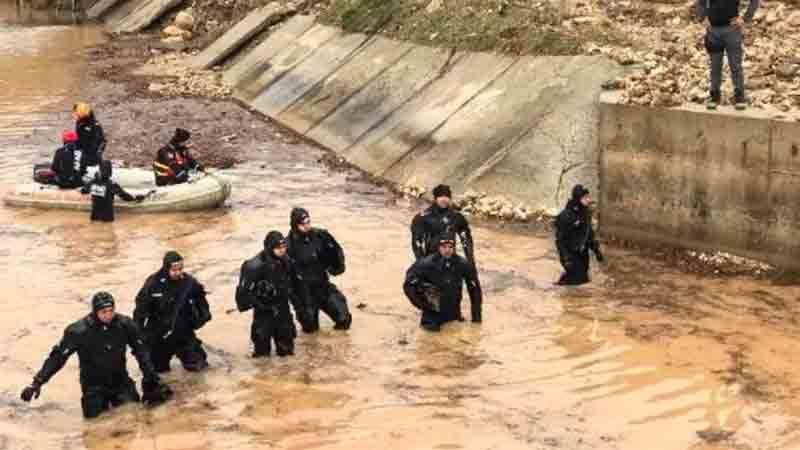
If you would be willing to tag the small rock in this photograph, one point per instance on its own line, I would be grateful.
(613, 85)
(172, 30)
(786, 71)
(434, 6)
(157, 87)
(794, 19)
(184, 20)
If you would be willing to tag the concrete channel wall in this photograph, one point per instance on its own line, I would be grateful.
(525, 128)
(715, 181)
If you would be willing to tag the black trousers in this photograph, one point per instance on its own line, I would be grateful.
(327, 298)
(273, 325)
(187, 347)
(576, 268)
(97, 399)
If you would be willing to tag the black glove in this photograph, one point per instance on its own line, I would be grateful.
(31, 392)
(139, 198)
(597, 252)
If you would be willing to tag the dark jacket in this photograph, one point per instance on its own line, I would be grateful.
(165, 307)
(270, 283)
(91, 140)
(431, 223)
(447, 278)
(721, 12)
(101, 352)
(172, 165)
(103, 191)
(68, 166)
(574, 232)
(316, 255)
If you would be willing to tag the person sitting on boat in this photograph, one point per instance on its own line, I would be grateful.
(67, 167)
(103, 191)
(174, 161)
(91, 138)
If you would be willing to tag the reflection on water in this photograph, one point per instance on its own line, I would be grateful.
(549, 368)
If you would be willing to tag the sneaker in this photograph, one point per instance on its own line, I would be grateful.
(739, 101)
(712, 105)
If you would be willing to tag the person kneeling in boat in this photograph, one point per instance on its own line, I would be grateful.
(91, 138)
(174, 161)
(100, 340)
(67, 167)
(103, 191)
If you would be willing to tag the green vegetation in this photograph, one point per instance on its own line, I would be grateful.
(476, 25)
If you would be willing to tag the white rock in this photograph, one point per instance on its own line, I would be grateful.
(172, 30)
(184, 20)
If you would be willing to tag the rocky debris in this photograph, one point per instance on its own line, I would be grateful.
(671, 63)
(180, 30)
(715, 435)
(180, 80)
(412, 190)
(478, 204)
(721, 262)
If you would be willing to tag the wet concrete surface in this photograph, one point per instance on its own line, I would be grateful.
(647, 357)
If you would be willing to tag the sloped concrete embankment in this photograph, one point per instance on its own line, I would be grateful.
(713, 181)
(525, 128)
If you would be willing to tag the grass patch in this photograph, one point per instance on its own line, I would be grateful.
(472, 25)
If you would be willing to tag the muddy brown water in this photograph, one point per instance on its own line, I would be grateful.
(645, 358)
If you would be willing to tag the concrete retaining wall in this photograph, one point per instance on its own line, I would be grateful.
(714, 181)
(525, 128)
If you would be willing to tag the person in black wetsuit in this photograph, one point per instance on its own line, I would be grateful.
(169, 308)
(100, 340)
(575, 237)
(318, 256)
(174, 161)
(91, 138)
(440, 218)
(67, 163)
(434, 284)
(103, 191)
(267, 284)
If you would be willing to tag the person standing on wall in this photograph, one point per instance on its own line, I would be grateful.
(725, 34)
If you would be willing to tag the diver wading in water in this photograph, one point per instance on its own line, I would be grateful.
(575, 237)
(434, 285)
(101, 340)
(317, 257)
(268, 283)
(169, 308)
